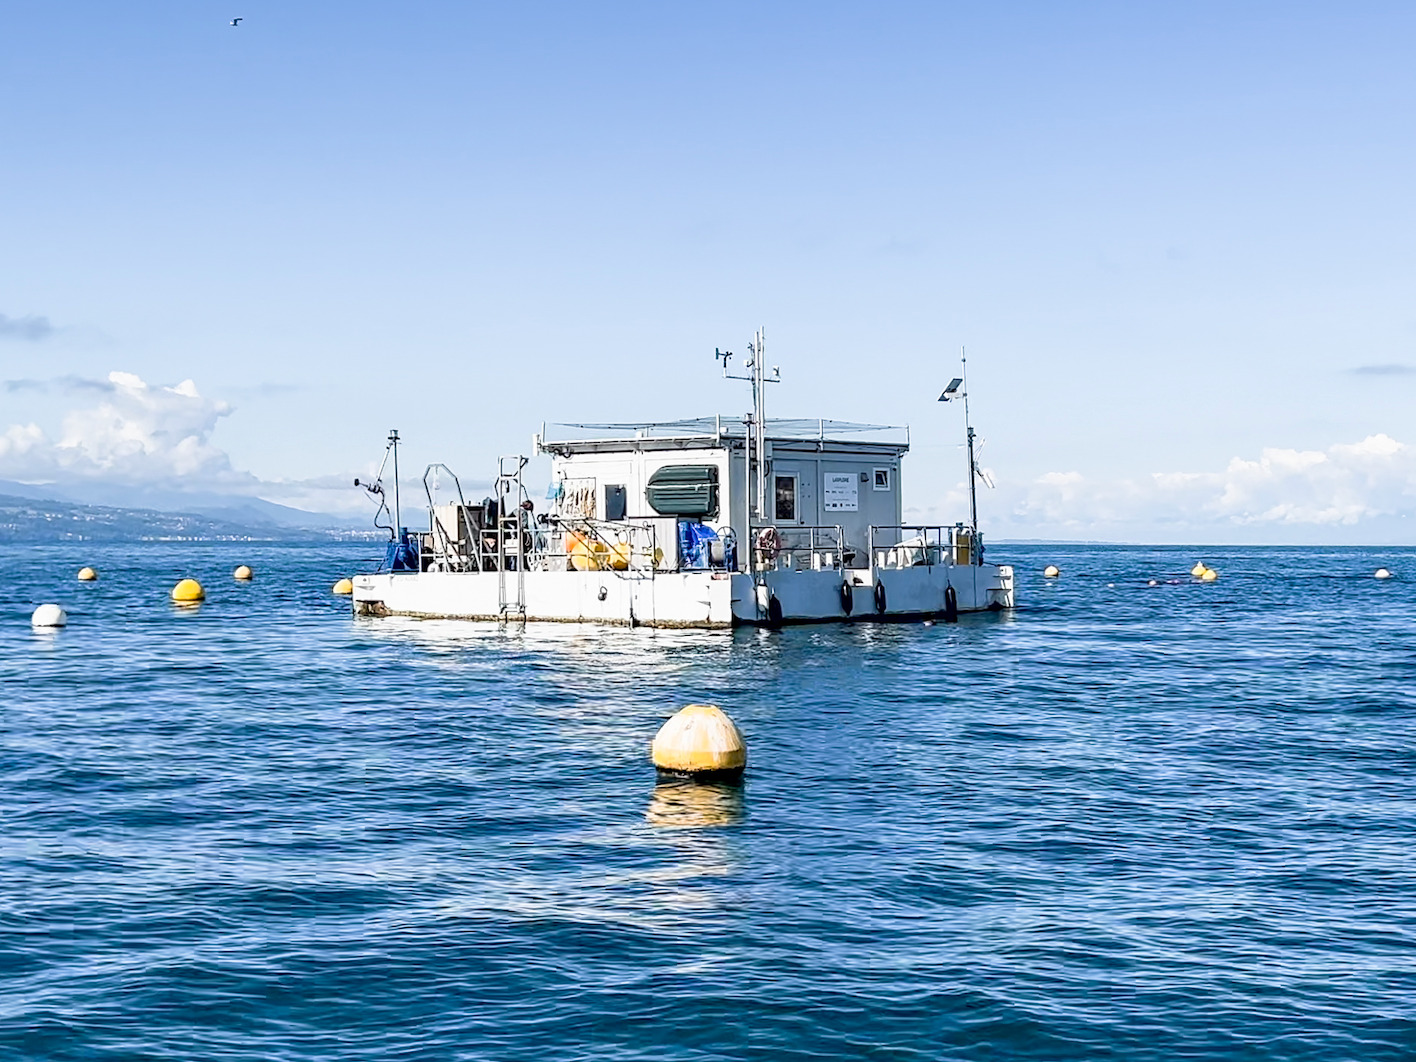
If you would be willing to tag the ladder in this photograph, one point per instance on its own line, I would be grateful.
(513, 528)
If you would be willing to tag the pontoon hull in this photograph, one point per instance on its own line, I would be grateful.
(688, 599)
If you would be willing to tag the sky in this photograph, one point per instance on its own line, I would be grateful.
(1178, 243)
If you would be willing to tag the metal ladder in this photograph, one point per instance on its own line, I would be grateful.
(511, 525)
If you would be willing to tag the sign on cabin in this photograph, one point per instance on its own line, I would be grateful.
(840, 493)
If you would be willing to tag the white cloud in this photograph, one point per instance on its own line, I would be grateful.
(134, 434)
(1344, 486)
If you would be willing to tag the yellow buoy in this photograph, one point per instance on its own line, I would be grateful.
(87, 575)
(1198, 571)
(700, 740)
(344, 586)
(1381, 573)
(1052, 571)
(242, 573)
(621, 553)
(188, 592)
(1209, 575)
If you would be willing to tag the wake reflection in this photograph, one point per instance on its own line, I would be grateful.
(683, 804)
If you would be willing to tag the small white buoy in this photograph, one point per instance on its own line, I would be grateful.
(1198, 571)
(1381, 573)
(344, 586)
(1152, 583)
(700, 740)
(49, 616)
(87, 575)
(1209, 575)
(1051, 571)
(242, 574)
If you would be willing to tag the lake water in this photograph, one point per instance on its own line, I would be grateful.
(1124, 822)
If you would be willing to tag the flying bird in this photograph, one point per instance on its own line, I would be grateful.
(234, 21)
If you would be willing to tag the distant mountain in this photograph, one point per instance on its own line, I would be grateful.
(37, 520)
(250, 512)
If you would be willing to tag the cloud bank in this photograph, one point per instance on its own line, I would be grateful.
(137, 433)
(1388, 369)
(30, 328)
(126, 432)
(1337, 494)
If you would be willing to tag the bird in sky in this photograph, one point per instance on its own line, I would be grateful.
(235, 21)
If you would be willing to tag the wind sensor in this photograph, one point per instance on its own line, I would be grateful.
(757, 420)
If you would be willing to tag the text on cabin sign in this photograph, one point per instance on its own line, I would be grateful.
(840, 492)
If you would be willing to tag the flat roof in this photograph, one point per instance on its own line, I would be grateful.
(700, 431)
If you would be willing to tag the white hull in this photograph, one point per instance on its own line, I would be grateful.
(687, 599)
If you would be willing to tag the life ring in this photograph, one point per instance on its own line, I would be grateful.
(951, 605)
(847, 597)
(880, 598)
(769, 543)
(774, 612)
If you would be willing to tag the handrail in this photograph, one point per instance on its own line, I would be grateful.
(771, 543)
(952, 544)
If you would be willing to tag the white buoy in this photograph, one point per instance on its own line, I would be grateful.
(87, 575)
(49, 616)
(1152, 583)
(700, 740)
(1051, 571)
(1381, 573)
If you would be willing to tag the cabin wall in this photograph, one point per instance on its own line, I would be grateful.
(827, 487)
(852, 491)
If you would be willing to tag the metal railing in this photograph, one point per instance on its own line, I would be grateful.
(582, 544)
(791, 547)
(912, 545)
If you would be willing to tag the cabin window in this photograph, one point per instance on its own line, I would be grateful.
(786, 497)
(882, 479)
(684, 490)
(614, 501)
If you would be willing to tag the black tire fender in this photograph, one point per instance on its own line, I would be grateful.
(951, 605)
(847, 596)
(774, 612)
(880, 598)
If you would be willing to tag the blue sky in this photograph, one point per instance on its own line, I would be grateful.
(1172, 241)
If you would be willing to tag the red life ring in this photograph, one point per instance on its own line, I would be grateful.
(769, 543)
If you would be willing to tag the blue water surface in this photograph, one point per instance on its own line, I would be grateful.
(1127, 821)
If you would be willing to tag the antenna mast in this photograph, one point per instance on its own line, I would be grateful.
(973, 465)
(397, 513)
(757, 420)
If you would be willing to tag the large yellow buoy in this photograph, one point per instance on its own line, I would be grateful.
(1209, 575)
(344, 586)
(1198, 571)
(1381, 573)
(188, 592)
(242, 573)
(87, 575)
(1052, 571)
(700, 740)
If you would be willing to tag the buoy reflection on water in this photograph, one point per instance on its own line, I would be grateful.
(686, 804)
